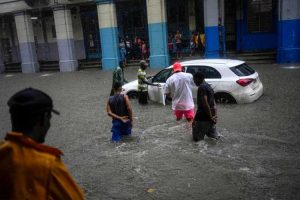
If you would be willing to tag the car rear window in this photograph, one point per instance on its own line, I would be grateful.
(242, 70)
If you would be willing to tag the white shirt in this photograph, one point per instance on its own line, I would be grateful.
(180, 86)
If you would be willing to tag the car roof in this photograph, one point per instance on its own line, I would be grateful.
(213, 62)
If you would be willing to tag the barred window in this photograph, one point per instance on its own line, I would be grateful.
(260, 15)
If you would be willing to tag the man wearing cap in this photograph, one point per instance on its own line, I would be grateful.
(143, 83)
(179, 88)
(28, 168)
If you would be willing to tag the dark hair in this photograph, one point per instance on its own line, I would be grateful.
(22, 122)
(198, 78)
(117, 85)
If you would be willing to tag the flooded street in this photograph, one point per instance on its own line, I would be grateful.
(258, 156)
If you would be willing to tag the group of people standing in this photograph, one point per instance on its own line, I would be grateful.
(176, 43)
(178, 87)
(197, 43)
(135, 49)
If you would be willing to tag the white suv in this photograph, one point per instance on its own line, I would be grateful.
(233, 81)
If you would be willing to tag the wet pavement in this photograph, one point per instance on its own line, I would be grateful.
(257, 157)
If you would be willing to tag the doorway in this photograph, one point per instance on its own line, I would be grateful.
(91, 33)
(230, 24)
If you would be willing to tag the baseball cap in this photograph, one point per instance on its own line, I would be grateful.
(143, 62)
(177, 67)
(30, 101)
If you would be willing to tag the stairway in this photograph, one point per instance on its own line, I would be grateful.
(12, 68)
(133, 63)
(89, 64)
(46, 66)
(267, 57)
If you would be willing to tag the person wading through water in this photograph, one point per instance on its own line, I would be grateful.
(143, 83)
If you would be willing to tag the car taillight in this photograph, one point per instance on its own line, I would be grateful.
(245, 81)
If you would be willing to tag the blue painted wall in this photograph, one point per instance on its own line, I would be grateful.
(260, 41)
(109, 48)
(288, 41)
(159, 57)
(212, 47)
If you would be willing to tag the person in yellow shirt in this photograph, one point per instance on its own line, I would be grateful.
(28, 168)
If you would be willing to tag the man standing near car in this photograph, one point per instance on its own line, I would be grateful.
(179, 87)
(206, 115)
(143, 83)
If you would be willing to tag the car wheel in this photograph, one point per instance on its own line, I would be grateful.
(132, 95)
(224, 98)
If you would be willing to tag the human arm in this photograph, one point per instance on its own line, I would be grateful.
(114, 116)
(144, 80)
(167, 89)
(128, 106)
(61, 184)
(203, 94)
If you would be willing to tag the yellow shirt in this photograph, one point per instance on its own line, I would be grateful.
(30, 170)
(202, 37)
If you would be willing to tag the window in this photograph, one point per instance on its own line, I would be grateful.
(242, 70)
(260, 15)
(162, 76)
(209, 72)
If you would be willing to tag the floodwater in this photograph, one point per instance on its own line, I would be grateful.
(257, 156)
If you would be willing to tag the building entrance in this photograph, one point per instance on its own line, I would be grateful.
(91, 33)
(230, 25)
(132, 19)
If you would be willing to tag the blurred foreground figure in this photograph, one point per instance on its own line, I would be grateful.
(28, 168)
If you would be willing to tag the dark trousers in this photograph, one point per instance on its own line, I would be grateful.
(202, 128)
(143, 97)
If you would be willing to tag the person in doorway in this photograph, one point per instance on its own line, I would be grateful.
(193, 44)
(28, 168)
(178, 39)
(179, 88)
(128, 46)
(123, 55)
(202, 41)
(206, 115)
(144, 50)
(143, 83)
(118, 107)
(118, 76)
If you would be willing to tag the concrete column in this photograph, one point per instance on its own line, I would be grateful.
(192, 18)
(157, 27)
(107, 19)
(288, 50)
(26, 43)
(211, 19)
(239, 24)
(2, 67)
(65, 39)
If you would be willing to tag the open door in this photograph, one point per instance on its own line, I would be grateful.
(156, 93)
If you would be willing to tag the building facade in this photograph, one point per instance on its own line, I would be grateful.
(68, 31)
